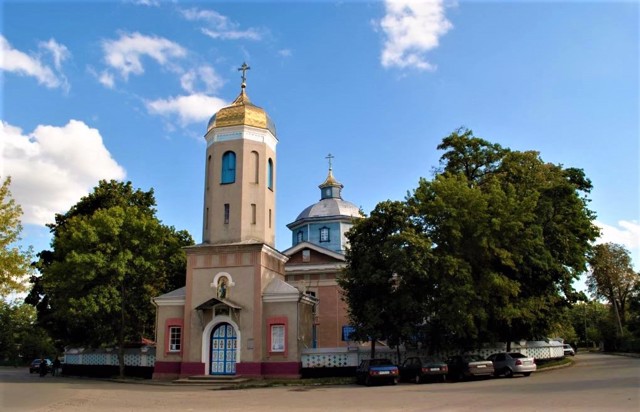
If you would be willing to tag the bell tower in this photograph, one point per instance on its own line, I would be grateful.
(240, 174)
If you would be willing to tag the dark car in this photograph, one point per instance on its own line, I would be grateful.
(35, 365)
(508, 364)
(377, 371)
(419, 369)
(468, 366)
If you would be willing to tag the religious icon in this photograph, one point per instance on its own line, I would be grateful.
(222, 288)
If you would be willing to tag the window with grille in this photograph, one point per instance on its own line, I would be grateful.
(175, 337)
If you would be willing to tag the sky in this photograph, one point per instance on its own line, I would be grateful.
(124, 90)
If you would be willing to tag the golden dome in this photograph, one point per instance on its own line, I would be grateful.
(242, 112)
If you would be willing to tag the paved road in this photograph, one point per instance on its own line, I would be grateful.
(595, 383)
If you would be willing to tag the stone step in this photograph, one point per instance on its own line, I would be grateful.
(211, 380)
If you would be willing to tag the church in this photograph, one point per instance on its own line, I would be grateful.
(248, 309)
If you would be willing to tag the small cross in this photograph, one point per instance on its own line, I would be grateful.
(329, 156)
(244, 69)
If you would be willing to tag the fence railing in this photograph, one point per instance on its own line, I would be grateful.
(351, 356)
(145, 356)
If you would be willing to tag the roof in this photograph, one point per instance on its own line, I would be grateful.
(328, 208)
(242, 112)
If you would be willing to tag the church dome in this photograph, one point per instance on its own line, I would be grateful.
(242, 112)
(330, 207)
(331, 203)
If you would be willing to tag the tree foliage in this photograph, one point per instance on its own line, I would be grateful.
(110, 255)
(503, 235)
(612, 277)
(387, 259)
(15, 264)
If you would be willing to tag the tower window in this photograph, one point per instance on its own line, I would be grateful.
(228, 168)
(253, 213)
(269, 218)
(226, 213)
(300, 236)
(270, 174)
(324, 234)
(255, 164)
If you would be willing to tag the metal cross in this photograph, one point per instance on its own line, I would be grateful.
(329, 156)
(244, 69)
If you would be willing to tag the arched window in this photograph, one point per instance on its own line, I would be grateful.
(228, 168)
(270, 174)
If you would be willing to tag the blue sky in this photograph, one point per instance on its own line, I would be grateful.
(124, 90)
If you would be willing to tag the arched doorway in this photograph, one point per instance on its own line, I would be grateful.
(222, 356)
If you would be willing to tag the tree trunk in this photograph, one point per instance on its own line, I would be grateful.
(373, 348)
(121, 359)
(121, 334)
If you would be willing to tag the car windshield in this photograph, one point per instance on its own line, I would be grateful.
(517, 355)
(473, 358)
(430, 360)
(380, 362)
(567, 346)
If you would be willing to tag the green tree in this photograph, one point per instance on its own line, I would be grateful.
(15, 264)
(110, 255)
(511, 234)
(384, 282)
(612, 277)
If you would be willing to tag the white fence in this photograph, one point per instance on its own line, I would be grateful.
(346, 357)
(145, 356)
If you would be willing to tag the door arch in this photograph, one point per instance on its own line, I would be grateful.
(223, 350)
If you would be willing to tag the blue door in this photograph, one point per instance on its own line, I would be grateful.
(223, 350)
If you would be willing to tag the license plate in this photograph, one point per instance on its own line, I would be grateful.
(434, 369)
(383, 372)
(481, 366)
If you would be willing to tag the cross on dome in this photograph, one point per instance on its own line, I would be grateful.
(244, 69)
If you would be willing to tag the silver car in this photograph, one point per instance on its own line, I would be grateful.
(510, 363)
(568, 350)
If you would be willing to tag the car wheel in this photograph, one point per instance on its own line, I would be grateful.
(367, 381)
(527, 374)
(417, 379)
(508, 373)
(394, 381)
(443, 378)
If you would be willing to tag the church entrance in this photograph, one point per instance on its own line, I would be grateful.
(222, 359)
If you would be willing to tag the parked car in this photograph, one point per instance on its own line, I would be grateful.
(418, 370)
(568, 350)
(468, 366)
(35, 365)
(510, 363)
(377, 371)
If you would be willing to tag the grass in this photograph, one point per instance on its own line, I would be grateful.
(542, 364)
(268, 383)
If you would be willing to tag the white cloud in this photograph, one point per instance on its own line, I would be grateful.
(106, 79)
(285, 52)
(205, 76)
(59, 52)
(412, 27)
(148, 3)
(125, 54)
(12, 60)
(220, 26)
(627, 233)
(194, 108)
(53, 167)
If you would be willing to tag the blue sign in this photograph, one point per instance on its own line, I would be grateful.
(346, 332)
